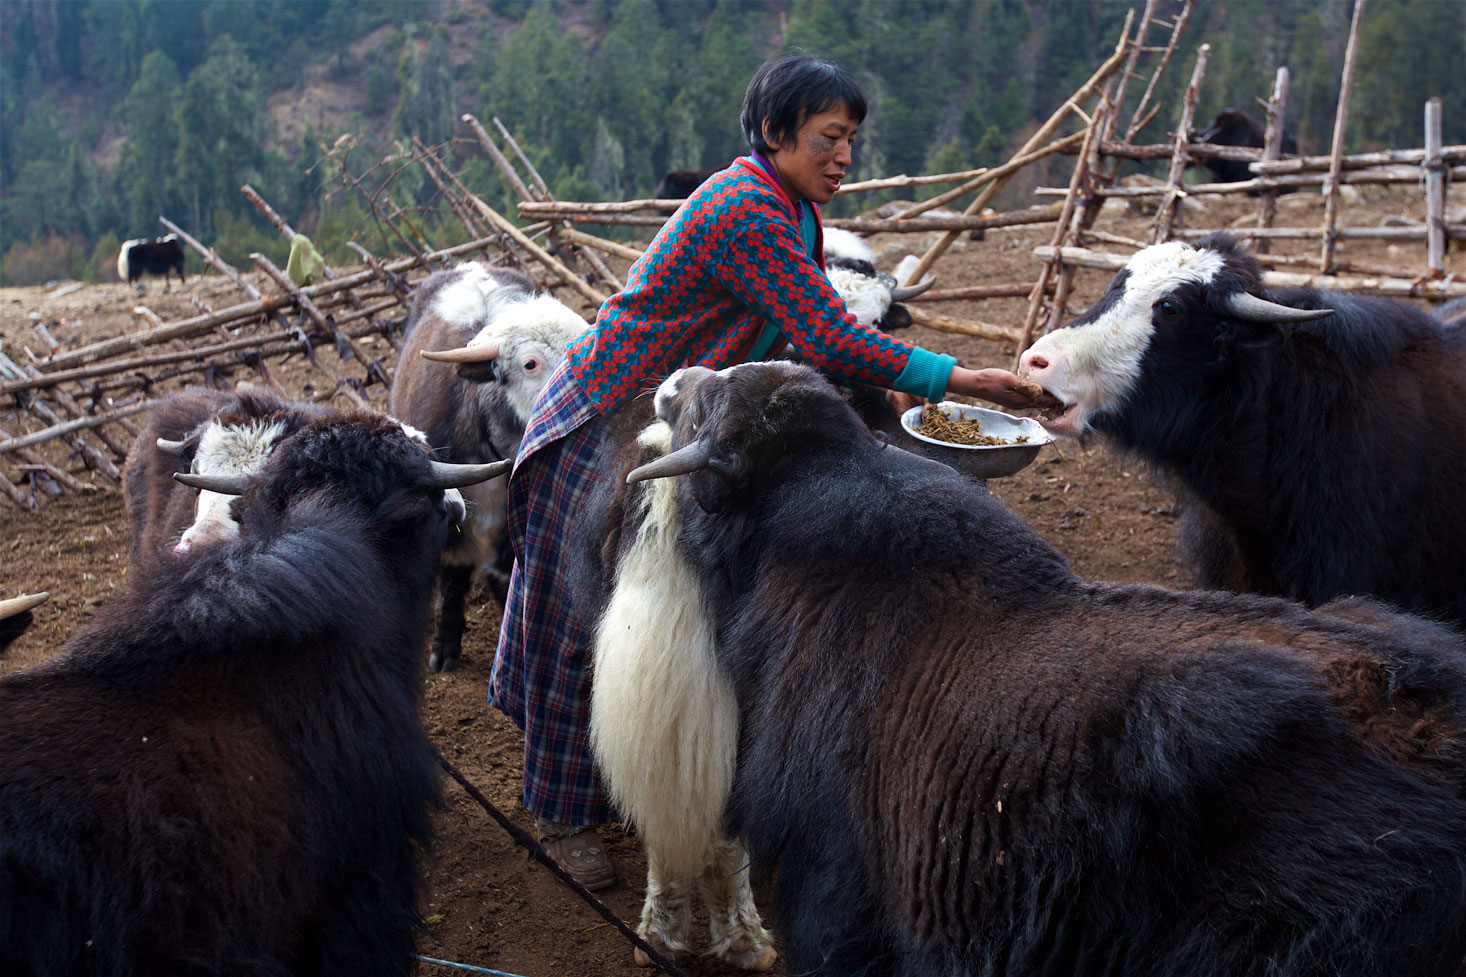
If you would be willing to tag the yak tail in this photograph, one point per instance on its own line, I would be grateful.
(664, 721)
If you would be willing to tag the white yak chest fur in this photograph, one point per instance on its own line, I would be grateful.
(664, 721)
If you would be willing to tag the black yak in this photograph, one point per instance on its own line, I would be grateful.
(224, 772)
(1319, 438)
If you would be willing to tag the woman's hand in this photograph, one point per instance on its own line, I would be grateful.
(999, 387)
(902, 402)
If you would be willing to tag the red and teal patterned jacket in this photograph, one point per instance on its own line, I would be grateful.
(729, 262)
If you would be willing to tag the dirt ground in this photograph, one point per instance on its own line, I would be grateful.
(487, 904)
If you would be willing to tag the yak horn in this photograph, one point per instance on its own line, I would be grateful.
(446, 475)
(223, 484)
(473, 353)
(1244, 305)
(689, 458)
(904, 293)
(174, 448)
(19, 605)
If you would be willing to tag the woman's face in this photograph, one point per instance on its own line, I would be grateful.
(812, 164)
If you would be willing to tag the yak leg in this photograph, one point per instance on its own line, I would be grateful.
(453, 584)
(738, 935)
(497, 571)
(666, 915)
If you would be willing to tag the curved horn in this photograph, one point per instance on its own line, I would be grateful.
(174, 448)
(1244, 305)
(903, 293)
(446, 476)
(686, 459)
(223, 484)
(18, 605)
(472, 353)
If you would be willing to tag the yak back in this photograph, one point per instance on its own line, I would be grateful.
(1098, 779)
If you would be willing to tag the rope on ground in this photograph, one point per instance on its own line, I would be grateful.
(537, 851)
(464, 966)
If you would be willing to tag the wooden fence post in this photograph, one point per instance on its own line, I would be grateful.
(1272, 148)
(1341, 119)
(1435, 191)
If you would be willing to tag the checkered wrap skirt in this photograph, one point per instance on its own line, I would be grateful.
(541, 673)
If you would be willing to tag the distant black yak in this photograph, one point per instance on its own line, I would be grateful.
(156, 257)
(1233, 127)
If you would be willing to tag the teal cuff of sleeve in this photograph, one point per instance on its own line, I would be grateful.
(926, 374)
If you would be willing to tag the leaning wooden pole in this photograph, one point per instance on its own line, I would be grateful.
(81, 424)
(502, 223)
(1272, 148)
(1140, 119)
(1071, 105)
(1341, 119)
(1435, 191)
(1166, 214)
(541, 194)
(1076, 180)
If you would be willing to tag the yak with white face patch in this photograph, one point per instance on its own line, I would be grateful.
(481, 342)
(205, 432)
(1317, 439)
(1095, 361)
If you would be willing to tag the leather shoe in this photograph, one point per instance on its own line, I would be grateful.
(578, 850)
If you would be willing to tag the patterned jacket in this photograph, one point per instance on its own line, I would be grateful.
(729, 262)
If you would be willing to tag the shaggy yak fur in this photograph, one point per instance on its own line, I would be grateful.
(224, 773)
(219, 433)
(663, 722)
(957, 758)
(476, 412)
(1316, 459)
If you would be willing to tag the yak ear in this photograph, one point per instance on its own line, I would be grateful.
(715, 485)
(485, 372)
(1237, 335)
(1262, 335)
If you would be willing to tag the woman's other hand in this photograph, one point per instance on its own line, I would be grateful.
(902, 402)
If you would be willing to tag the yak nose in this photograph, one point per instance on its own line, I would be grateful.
(196, 536)
(1031, 361)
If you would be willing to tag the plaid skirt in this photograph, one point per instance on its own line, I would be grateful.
(541, 674)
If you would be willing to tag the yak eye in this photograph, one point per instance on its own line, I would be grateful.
(1168, 308)
(531, 365)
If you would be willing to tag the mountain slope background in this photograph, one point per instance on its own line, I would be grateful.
(112, 113)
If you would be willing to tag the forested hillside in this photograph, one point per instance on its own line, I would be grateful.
(114, 112)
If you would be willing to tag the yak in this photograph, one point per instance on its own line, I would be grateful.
(156, 257)
(480, 343)
(1319, 439)
(955, 757)
(225, 772)
(207, 432)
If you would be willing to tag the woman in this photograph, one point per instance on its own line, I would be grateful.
(735, 275)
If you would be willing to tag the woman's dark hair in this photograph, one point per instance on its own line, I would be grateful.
(786, 91)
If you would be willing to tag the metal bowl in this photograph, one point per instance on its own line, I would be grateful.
(982, 460)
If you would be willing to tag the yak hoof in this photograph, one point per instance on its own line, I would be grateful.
(746, 957)
(439, 661)
(653, 939)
